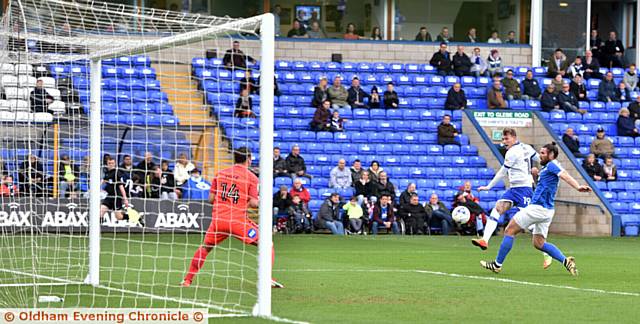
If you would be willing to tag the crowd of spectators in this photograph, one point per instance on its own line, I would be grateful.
(312, 28)
(143, 180)
(368, 203)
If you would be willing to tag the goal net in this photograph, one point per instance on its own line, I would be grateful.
(113, 121)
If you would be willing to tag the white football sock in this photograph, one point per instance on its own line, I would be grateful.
(491, 225)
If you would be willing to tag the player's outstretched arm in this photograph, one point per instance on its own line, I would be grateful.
(124, 194)
(499, 176)
(566, 177)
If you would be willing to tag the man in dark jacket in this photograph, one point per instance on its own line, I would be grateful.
(249, 83)
(384, 186)
(235, 59)
(390, 97)
(461, 62)
(329, 215)
(568, 102)
(295, 164)
(414, 216)
(279, 164)
(549, 100)
(578, 88)
(571, 141)
(593, 168)
(357, 95)
(591, 66)
(607, 89)
(634, 111)
(558, 64)
(365, 188)
(441, 60)
(511, 86)
(145, 167)
(613, 51)
(405, 196)
(447, 132)
(383, 216)
(40, 98)
(356, 171)
(321, 118)
(281, 203)
(531, 87)
(31, 176)
(456, 98)
(438, 214)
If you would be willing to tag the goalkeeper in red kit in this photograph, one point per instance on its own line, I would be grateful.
(233, 191)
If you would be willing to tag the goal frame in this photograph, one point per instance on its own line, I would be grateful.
(267, 75)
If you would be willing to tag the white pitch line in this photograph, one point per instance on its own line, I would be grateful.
(236, 313)
(455, 275)
(34, 284)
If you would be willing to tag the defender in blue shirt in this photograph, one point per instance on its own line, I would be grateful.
(539, 213)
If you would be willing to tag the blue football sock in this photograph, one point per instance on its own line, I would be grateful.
(553, 251)
(505, 247)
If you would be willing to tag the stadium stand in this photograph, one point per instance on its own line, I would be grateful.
(404, 139)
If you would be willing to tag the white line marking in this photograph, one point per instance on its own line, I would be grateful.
(455, 275)
(34, 284)
(235, 313)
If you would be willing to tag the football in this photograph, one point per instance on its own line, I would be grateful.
(461, 215)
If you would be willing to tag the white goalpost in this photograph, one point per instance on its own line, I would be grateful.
(87, 85)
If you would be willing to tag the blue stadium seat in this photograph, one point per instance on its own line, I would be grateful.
(620, 207)
(324, 137)
(359, 113)
(307, 136)
(384, 149)
(408, 160)
(517, 104)
(433, 173)
(483, 81)
(420, 80)
(322, 159)
(341, 137)
(436, 80)
(380, 67)
(418, 149)
(451, 150)
(614, 186)
(393, 161)
(393, 137)
(412, 68)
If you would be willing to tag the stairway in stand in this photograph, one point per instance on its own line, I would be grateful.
(210, 154)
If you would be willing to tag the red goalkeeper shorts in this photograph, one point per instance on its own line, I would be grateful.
(243, 229)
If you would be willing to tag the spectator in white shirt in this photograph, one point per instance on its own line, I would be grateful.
(182, 169)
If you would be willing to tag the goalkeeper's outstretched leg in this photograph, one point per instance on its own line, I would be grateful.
(219, 231)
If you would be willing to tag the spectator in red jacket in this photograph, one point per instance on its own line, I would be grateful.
(383, 216)
(299, 190)
(7, 187)
(463, 198)
(466, 188)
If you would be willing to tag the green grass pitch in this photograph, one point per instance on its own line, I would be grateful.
(384, 279)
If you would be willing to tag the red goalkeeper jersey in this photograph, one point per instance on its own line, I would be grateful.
(232, 188)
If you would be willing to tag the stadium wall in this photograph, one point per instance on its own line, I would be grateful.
(379, 51)
(352, 51)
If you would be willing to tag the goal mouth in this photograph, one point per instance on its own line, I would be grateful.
(86, 79)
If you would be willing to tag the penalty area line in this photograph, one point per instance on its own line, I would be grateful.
(233, 312)
(456, 275)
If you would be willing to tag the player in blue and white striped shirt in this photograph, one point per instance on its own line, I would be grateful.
(539, 213)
